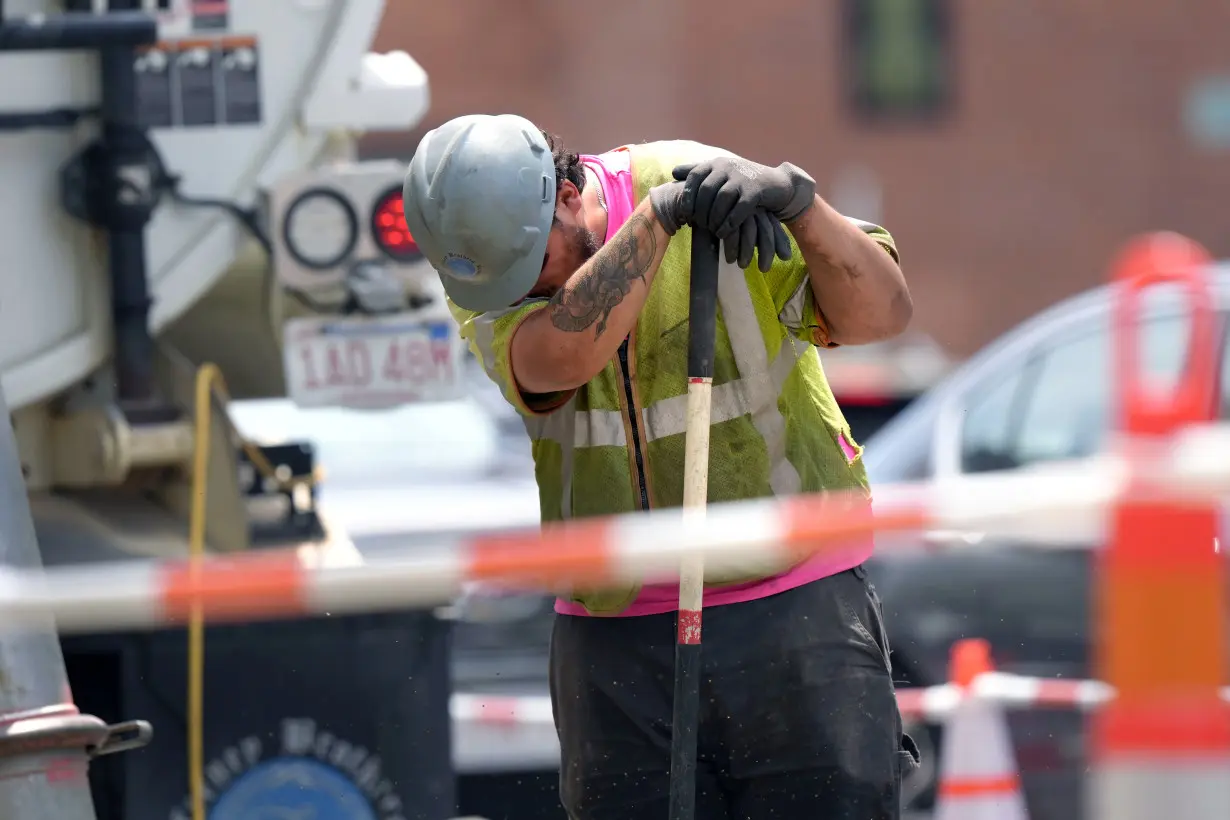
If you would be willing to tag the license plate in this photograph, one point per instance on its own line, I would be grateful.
(371, 362)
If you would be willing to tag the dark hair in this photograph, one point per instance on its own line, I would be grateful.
(567, 164)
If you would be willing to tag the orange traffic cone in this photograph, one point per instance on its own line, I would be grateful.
(979, 779)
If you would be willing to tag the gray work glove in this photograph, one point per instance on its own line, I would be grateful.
(671, 203)
(668, 203)
(721, 193)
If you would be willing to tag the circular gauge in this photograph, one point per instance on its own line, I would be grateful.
(389, 228)
(320, 229)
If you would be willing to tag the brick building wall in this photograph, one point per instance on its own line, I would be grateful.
(1065, 134)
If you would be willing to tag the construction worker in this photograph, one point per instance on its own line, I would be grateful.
(569, 277)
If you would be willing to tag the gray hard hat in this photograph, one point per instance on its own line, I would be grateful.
(479, 198)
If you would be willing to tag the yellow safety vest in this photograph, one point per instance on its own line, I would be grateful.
(616, 445)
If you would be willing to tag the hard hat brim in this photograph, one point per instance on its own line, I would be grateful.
(505, 290)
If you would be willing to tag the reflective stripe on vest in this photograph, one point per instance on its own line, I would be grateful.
(754, 393)
(748, 346)
(484, 340)
(570, 429)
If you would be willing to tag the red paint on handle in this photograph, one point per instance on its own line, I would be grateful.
(689, 626)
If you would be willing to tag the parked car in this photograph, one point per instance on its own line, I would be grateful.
(1042, 392)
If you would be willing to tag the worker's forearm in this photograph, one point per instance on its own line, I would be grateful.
(858, 286)
(598, 306)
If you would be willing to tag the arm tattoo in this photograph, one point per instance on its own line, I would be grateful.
(590, 298)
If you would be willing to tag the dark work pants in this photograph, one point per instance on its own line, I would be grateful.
(798, 714)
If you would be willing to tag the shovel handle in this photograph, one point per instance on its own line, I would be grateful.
(702, 329)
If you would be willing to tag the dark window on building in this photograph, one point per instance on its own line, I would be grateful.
(898, 62)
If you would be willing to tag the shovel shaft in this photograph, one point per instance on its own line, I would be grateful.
(702, 326)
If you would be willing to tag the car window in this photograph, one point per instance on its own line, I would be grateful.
(1058, 403)
(987, 428)
(1066, 408)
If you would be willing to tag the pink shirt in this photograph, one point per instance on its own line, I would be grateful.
(614, 172)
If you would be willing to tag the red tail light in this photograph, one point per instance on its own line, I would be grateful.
(389, 228)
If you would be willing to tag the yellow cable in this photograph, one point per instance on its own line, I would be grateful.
(209, 383)
(205, 378)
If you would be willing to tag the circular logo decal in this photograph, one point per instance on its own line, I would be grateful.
(462, 267)
(292, 787)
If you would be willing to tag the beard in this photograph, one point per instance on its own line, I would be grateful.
(582, 243)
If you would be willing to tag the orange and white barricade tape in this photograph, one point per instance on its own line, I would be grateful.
(734, 537)
(498, 732)
(934, 704)
(502, 710)
(927, 704)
